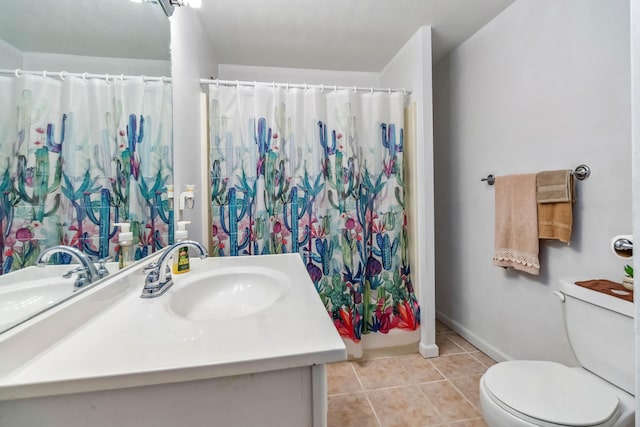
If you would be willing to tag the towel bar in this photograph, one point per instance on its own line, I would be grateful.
(491, 179)
(581, 172)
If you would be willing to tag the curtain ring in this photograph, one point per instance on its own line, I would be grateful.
(121, 77)
(237, 83)
(162, 79)
(371, 90)
(106, 77)
(44, 74)
(335, 88)
(389, 91)
(321, 88)
(273, 85)
(17, 72)
(62, 75)
(287, 86)
(404, 91)
(305, 86)
(355, 89)
(217, 83)
(84, 76)
(142, 77)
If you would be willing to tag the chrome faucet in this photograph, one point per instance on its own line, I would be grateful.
(87, 272)
(159, 279)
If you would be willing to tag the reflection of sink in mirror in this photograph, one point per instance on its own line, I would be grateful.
(227, 293)
(49, 37)
(26, 292)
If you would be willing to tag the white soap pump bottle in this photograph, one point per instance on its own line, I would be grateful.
(181, 258)
(125, 240)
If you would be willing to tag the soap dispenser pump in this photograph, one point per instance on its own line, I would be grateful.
(181, 259)
(125, 241)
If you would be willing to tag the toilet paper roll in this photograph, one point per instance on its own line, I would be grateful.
(625, 253)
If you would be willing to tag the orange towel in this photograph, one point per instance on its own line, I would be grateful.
(555, 194)
(516, 224)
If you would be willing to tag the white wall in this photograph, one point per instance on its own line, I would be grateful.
(543, 86)
(410, 68)
(635, 130)
(37, 61)
(192, 58)
(10, 56)
(297, 75)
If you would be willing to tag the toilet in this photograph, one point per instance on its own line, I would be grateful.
(599, 393)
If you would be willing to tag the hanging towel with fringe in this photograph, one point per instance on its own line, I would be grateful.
(516, 223)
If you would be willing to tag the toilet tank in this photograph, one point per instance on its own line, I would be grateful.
(600, 330)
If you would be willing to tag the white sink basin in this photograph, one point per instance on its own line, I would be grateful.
(17, 303)
(227, 293)
(27, 292)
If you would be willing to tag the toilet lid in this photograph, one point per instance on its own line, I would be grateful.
(551, 392)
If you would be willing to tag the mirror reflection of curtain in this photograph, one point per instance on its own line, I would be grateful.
(78, 155)
(319, 173)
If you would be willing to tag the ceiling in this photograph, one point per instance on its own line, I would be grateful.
(356, 35)
(110, 28)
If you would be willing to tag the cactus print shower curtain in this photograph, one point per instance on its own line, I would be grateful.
(318, 172)
(78, 155)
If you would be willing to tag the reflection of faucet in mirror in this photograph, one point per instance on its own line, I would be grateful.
(159, 279)
(60, 189)
(87, 272)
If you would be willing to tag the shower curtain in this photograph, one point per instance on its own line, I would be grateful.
(77, 156)
(320, 173)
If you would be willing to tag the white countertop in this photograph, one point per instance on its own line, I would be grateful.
(139, 341)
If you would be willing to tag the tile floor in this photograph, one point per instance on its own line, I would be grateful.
(410, 391)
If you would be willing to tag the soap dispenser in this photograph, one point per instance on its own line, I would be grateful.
(125, 240)
(181, 258)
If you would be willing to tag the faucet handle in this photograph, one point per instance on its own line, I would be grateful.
(102, 268)
(82, 279)
(150, 267)
(72, 271)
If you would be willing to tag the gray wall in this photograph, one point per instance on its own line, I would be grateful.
(192, 58)
(545, 85)
(411, 68)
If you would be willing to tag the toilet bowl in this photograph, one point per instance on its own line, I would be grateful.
(528, 393)
(536, 393)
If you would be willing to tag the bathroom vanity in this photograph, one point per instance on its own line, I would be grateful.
(238, 341)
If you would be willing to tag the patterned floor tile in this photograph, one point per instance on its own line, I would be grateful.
(351, 411)
(381, 373)
(458, 365)
(403, 407)
(342, 378)
(449, 402)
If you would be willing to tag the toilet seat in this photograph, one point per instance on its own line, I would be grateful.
(551, 394)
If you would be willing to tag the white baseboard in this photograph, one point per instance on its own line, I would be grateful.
(473, 338)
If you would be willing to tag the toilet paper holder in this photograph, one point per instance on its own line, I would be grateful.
(622, 246)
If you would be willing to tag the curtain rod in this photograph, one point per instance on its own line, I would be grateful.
(63, 75)
(304, 86)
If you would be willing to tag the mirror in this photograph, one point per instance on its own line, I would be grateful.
(79, 150)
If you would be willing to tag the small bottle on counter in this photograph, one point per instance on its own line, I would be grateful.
(125, 241)
(181, 257)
